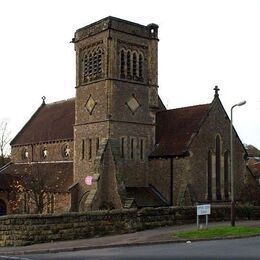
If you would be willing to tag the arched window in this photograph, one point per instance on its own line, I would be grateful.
(99, 69)
(90, 65)
(44, 153)
(97, 145)
(209, 175)
(132, 148)
(226, 175)
(131, 64)
(95, 63)
(86, 67)
(122, 64)
(122, 147)
(218, 168)
(89, 149)
(2, 208)
(128, 64)
(82, 149)
(140, 67)
(134, 65)
(141, 149)
(25, 154)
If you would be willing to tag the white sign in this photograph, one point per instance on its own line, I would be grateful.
(88, 180)
(203, 209)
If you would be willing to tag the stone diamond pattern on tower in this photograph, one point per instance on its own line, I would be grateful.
(133, 104)
(90, 105)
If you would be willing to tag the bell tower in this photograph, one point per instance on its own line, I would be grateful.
(116, 101)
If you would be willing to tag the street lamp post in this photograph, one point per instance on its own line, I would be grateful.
(231, 164)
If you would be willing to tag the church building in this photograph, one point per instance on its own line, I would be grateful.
(115, 145)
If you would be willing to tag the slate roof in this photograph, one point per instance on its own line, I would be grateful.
(175, 129)
(57, 177)
(50, 122)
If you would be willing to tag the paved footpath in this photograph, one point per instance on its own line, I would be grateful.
(147, 237)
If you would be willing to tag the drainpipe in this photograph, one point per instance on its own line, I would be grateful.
(32, 152)
(171, 183)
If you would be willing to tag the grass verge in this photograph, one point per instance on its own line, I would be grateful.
(218, 232)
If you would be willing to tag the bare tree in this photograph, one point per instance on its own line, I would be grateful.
(5, 138)
(36, 188)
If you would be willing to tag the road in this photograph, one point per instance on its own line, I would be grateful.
(247, 248)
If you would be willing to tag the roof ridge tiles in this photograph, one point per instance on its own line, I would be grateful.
(60, 101)
(179, 108)
(52, 121)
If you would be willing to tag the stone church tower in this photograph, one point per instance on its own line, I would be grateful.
(116, 102)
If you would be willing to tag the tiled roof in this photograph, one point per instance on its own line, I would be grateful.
(50, 122)
(175, 129)
(56, 177)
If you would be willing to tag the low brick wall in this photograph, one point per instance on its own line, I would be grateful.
(16, 230)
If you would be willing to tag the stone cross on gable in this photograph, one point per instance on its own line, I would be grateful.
(216, 91)
(43, 99)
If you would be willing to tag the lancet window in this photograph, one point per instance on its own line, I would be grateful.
(93, 64)
(131, 65)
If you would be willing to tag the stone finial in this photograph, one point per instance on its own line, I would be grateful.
(43, 100)
(216, 91)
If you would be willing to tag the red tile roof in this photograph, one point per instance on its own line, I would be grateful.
(50, 122)
(57, 177)
(175, 129)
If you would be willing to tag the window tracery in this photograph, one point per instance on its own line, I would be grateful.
(128, 64)
(93, 64)
(122, 64)
(134, 65)
(140, 66)
(131, 64)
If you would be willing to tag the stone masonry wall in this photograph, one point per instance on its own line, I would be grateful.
(111, 104)
(216, 123)
(17, 230)
(190, 173)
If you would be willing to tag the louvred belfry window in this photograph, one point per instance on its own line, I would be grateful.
(128, 64)
(122, 64)
(93, 65)
(131, 65)
(140, 67)
(134, 65)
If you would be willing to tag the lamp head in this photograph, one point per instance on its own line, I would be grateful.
(241, 103)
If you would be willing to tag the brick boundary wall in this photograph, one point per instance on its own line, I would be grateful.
(18, 230)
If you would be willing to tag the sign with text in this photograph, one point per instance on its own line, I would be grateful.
(203, 209)
(88, 180)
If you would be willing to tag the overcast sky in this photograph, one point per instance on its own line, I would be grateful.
(203, 43)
